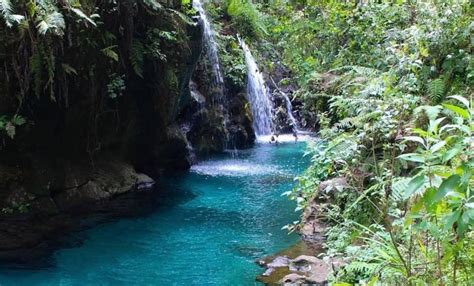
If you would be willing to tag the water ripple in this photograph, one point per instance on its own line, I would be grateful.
(234, 168)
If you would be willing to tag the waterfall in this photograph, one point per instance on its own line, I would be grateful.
(289, 110)
(211, 46)
(258, 95)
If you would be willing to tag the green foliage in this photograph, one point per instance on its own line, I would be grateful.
(436, 90)
(232, 59)
(136, 57)
(70, 51)
(16, 208)
(245, 18)
(116, 86)
(6, 11)
(405, 215)
(9, 126)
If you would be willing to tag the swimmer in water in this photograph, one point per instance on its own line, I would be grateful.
(272, 139)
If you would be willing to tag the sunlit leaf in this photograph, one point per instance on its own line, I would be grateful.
(415, 185)
(458, 110)
(412, 157)
(448, 185)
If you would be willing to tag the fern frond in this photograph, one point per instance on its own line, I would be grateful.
(110, 53)
(136, 57)
(5, 7)
(363, 267)
(153, 4)
(398, 189)
(52, 22)
(83, 16)
(36, 68)
(436, 90)
(6, 11)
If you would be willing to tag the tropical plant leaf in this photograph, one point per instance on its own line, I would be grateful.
(136, 57)
(52, 23)
(82, 15)
(461, 99)
(6, 11)
(109, 52)
(412, 157)
(458, 110)
(436, 90)
(448, 185)
(415, 185)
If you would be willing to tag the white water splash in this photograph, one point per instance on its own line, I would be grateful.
(286, 138)
(258, 95)
(211, 46)
(289, 110)
(234, 168)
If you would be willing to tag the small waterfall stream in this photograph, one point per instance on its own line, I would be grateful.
(211, 46)
(289, 110)
(258, 95)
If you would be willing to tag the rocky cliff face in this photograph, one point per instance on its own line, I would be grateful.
(219, 117)
(108, 109)
(105, 118)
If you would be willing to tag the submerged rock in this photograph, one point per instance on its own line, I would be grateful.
(302, 270)
(294, 279)
(299, 265)
(288, 261)
(280, 261)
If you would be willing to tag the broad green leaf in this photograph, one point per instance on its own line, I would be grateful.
(428, 197)
(470, 213)
(412, 157)
(434, 124)
(420, 132)
(451, 153)
(451, 219)
(463, 223)
(82, 15)
(463, 100)
(416, 184)
(458, 110)
(448, 185)
(373, 281)
(18, 120)
(415, 139)
(436, 147)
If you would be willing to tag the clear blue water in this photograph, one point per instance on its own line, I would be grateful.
(220, 217)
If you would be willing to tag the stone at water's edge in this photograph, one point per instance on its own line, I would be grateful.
(298, 265)
(278, 266)
(115, 190)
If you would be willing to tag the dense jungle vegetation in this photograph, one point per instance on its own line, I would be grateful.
(391, 83)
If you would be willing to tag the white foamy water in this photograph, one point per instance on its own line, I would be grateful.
(211, 46)
(258, 95)
(284, 138)
(289, 109)
(233, 168)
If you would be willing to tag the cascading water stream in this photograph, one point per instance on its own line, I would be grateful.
(258, 95)
(289, 110)
(212, 54)
(211, 47)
